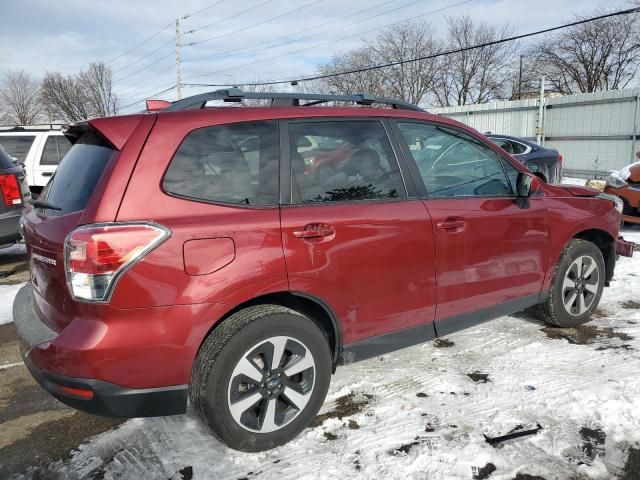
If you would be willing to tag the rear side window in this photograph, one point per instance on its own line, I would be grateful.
(75, 179)
(17, 146)
(55, 148)
(237, 163)
(343, 161)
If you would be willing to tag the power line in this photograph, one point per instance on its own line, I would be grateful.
(141, 43)
(339, 39)
(184, 17)
(427, 57)
(188, 15)
(147, 98)
(198, 42)
(266, 46)
(145, 67)
(229, 18)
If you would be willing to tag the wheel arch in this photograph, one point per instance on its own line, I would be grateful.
(606, 243)
(312, 307)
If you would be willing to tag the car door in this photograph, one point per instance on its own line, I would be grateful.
(491, 252)
(355, 240)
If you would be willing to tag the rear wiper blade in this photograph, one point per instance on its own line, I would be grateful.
(43, 204)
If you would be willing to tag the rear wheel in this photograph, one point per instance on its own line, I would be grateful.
(261, 377)
(576, 287)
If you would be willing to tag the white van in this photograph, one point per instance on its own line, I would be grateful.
(39, 148)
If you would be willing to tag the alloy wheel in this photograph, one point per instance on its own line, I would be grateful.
(580, 285)
(271, 384)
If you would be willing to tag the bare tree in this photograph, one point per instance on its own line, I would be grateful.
(77, 97)
(475, 75)
(64, 98)
(20, 95)
(409, 81)
(96, 83)
(599, 55)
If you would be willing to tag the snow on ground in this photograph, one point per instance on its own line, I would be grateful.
(7, 292)
(418, 414)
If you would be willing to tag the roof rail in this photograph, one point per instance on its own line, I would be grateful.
(291, 99)
(41, 127)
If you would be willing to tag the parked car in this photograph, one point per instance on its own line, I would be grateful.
(163, 267)
(626, 185)
(14, 191)
(38, 148)
(544, 162)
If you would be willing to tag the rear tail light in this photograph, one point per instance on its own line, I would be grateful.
(97, 255)
(560, 159)
(10, 189)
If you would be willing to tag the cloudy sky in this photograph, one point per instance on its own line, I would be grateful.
(233, 41)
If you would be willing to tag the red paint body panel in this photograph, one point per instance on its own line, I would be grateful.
(377, 272)
(207, 255)
(498, 254)
(386, 266)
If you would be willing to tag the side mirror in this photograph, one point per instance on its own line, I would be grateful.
(527, 184)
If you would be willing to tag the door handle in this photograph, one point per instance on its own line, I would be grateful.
(47, 174)
(315, 230)
(452, 224)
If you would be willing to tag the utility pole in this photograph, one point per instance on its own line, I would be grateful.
(520, 79)
(178, 75)
(540, 129)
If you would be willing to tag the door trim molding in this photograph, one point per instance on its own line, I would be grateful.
(390, 342)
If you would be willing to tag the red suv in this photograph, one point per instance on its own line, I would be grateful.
(187, 253)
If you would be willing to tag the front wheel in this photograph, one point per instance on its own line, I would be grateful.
(576, 287)
(261, 377)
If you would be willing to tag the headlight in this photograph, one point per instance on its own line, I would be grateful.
(615, 180)
(617, 202)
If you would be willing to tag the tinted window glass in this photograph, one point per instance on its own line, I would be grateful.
(17, 146)
(55, 148)
(518, 148)
(72, 185)
(343, 161)
(453, 164)
(506, 145)
(235, 163)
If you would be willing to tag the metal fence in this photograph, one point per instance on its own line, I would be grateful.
(594, 132)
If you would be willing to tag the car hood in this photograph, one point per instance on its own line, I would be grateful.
(578, 191)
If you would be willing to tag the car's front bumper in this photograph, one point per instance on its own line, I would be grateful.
(624, 247)
(94, 396)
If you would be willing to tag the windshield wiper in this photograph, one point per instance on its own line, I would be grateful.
(43, 204)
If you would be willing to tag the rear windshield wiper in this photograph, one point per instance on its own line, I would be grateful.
(43, 204)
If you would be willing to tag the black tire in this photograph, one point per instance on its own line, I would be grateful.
(226, 346)
(553, 311)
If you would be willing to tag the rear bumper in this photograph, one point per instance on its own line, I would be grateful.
(47, 353)
(10, 224)
(106, 399)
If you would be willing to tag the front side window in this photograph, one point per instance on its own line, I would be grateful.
(55, 148)
(343, 161)
(454, 164)
(236, 163)
(17, 146)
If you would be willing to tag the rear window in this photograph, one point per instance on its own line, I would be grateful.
(17, 146)
(75, 179)
(235, 163)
